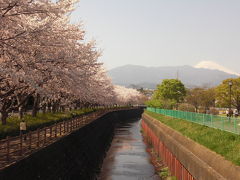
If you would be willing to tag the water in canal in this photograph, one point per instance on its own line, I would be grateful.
(127, 158)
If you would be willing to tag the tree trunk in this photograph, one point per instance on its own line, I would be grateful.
(4, 118)
(34, 111)
(44, 109)
(20, 112)
(62, 108)
(196, 108)
(35, 106)
(21, 102)
(54, 108)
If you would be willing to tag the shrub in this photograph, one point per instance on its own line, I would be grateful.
(186, 107)
(164, 173)
(214, 111)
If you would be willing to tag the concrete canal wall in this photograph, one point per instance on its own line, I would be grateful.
(76, 156)
(185, 158)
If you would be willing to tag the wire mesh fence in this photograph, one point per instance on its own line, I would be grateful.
(219, 122)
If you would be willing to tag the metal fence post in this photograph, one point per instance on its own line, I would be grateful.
(64, 127)
(38, 137)
(20, 145)
(203, 119)
(55, 130)
(211, 120)
(45, 135)
(50, 132)
(30, 140)
(69, 126)
(222, 123)
(60, 128)
(235, 125)
(8, 149)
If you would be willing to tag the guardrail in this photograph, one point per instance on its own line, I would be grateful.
(13, 149)
(218, 122)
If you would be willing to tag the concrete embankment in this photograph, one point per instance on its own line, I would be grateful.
(185, 158)
(77, 156)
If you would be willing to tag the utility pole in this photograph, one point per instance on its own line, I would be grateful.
(177, 74)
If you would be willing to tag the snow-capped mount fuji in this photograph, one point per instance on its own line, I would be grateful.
(149, 77)
(215, 66)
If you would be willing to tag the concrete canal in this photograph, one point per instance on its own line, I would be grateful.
(127, 158)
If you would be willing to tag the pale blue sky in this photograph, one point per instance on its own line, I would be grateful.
(163, 32)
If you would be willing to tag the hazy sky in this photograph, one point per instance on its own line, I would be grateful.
(163, 32)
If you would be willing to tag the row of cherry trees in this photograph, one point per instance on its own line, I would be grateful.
(46, 58)
(126, 96)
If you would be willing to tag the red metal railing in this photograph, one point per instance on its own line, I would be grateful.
(168, 158)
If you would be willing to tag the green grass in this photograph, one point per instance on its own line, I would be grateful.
(164, 173)
(42, 120)
(224, 143)
(219, 122)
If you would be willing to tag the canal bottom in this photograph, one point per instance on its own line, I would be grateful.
(127, 158)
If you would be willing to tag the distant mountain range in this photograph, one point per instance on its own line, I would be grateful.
(148, 77)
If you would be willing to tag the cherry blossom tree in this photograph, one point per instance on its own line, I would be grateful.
(127, 96)
(45, 58)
